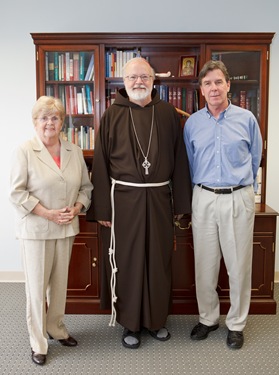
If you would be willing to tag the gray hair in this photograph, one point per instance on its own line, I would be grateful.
(134, 59)
(211, 65)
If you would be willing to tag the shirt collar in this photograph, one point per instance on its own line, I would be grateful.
(222, 114)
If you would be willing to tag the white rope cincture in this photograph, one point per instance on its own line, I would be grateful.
(112, 259)
(112, 246)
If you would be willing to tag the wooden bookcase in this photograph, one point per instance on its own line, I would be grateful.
(246, 56)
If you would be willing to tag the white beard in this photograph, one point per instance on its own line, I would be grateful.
(138, 94)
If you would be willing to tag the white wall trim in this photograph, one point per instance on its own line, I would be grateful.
(18, 277)
(12, 277)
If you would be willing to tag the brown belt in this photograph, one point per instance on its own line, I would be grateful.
(221, 191)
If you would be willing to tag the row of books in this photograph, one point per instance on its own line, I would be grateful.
(69, 66)
(181, 97)
(77, 100)
(83, 136)
(116, 59)
(248, 99)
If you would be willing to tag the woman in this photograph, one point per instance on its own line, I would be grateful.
(49, 188)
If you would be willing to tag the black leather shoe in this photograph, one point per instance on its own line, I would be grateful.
(201, 331)
(235, 339)
(70, 341)
(37, 358)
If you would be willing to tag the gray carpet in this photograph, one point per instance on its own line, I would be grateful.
(100, 350)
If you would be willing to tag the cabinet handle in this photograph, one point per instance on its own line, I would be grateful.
(177, 224)
(94, 264)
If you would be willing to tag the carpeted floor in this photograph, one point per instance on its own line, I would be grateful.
(100, 350)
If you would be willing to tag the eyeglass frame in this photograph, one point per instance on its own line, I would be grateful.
(47, 118)
(143, 77)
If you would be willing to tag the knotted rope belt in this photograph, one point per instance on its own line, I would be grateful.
(112, 246)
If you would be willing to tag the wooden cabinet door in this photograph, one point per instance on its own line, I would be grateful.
(83, 282)
(262, 295)
(183, 272)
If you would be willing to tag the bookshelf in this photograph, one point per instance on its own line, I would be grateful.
(69, 74)
(246, 56)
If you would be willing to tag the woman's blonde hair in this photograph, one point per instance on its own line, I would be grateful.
(47, 105)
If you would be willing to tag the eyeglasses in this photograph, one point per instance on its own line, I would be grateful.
(52, 119)
(134, 77)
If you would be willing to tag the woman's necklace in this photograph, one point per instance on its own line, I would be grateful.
(146, 164)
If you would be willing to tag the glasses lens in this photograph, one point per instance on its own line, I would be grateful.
(134, 77)
(46, 118)
(144, 78)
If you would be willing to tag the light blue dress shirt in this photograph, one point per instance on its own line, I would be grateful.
(226, 151)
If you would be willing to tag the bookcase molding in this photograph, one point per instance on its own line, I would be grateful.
(246, 56)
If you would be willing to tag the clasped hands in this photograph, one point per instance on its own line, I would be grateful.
(65, 215)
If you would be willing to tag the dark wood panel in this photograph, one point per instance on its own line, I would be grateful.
(164, 51)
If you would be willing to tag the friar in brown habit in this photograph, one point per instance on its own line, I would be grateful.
(141, 184)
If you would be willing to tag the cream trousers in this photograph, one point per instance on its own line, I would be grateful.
(223, 226)
(46, 264)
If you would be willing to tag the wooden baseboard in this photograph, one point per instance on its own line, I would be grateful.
(12, 277)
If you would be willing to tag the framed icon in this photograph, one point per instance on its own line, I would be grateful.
(188, 66)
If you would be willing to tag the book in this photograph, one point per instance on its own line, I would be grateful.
(75, 100)
(49, 90)
(46, 66)
(56, 91)
(84, 100)
(67, 64)
(170, 94)
(90, 69)
(174, 96)
(61, 67)
(76, 135)
(242, 99)
(71, 68)
(112, 64)
(61, 94)
(112, 96)
(67, 100)
(81, 137)
(56, 66)
(88, 99)
(179, 97)
(76, 66)
(91, 138)
(51, 66)
(190, 101)
(183, 99)
(196, 101)
(163, 92)
(79, 103)
(92, 101)
(81, 65)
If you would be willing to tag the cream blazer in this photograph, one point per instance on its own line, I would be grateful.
(35, 177)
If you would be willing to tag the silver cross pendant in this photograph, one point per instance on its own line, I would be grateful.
(146, 165)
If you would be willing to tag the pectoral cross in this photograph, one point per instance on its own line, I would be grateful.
(146, 165)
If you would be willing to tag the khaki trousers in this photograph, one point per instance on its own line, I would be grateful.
(223, 226)
(46, 264)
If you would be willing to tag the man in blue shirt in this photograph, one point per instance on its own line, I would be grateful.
(224, 148)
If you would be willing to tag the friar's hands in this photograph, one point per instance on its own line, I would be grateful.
(105, 223)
